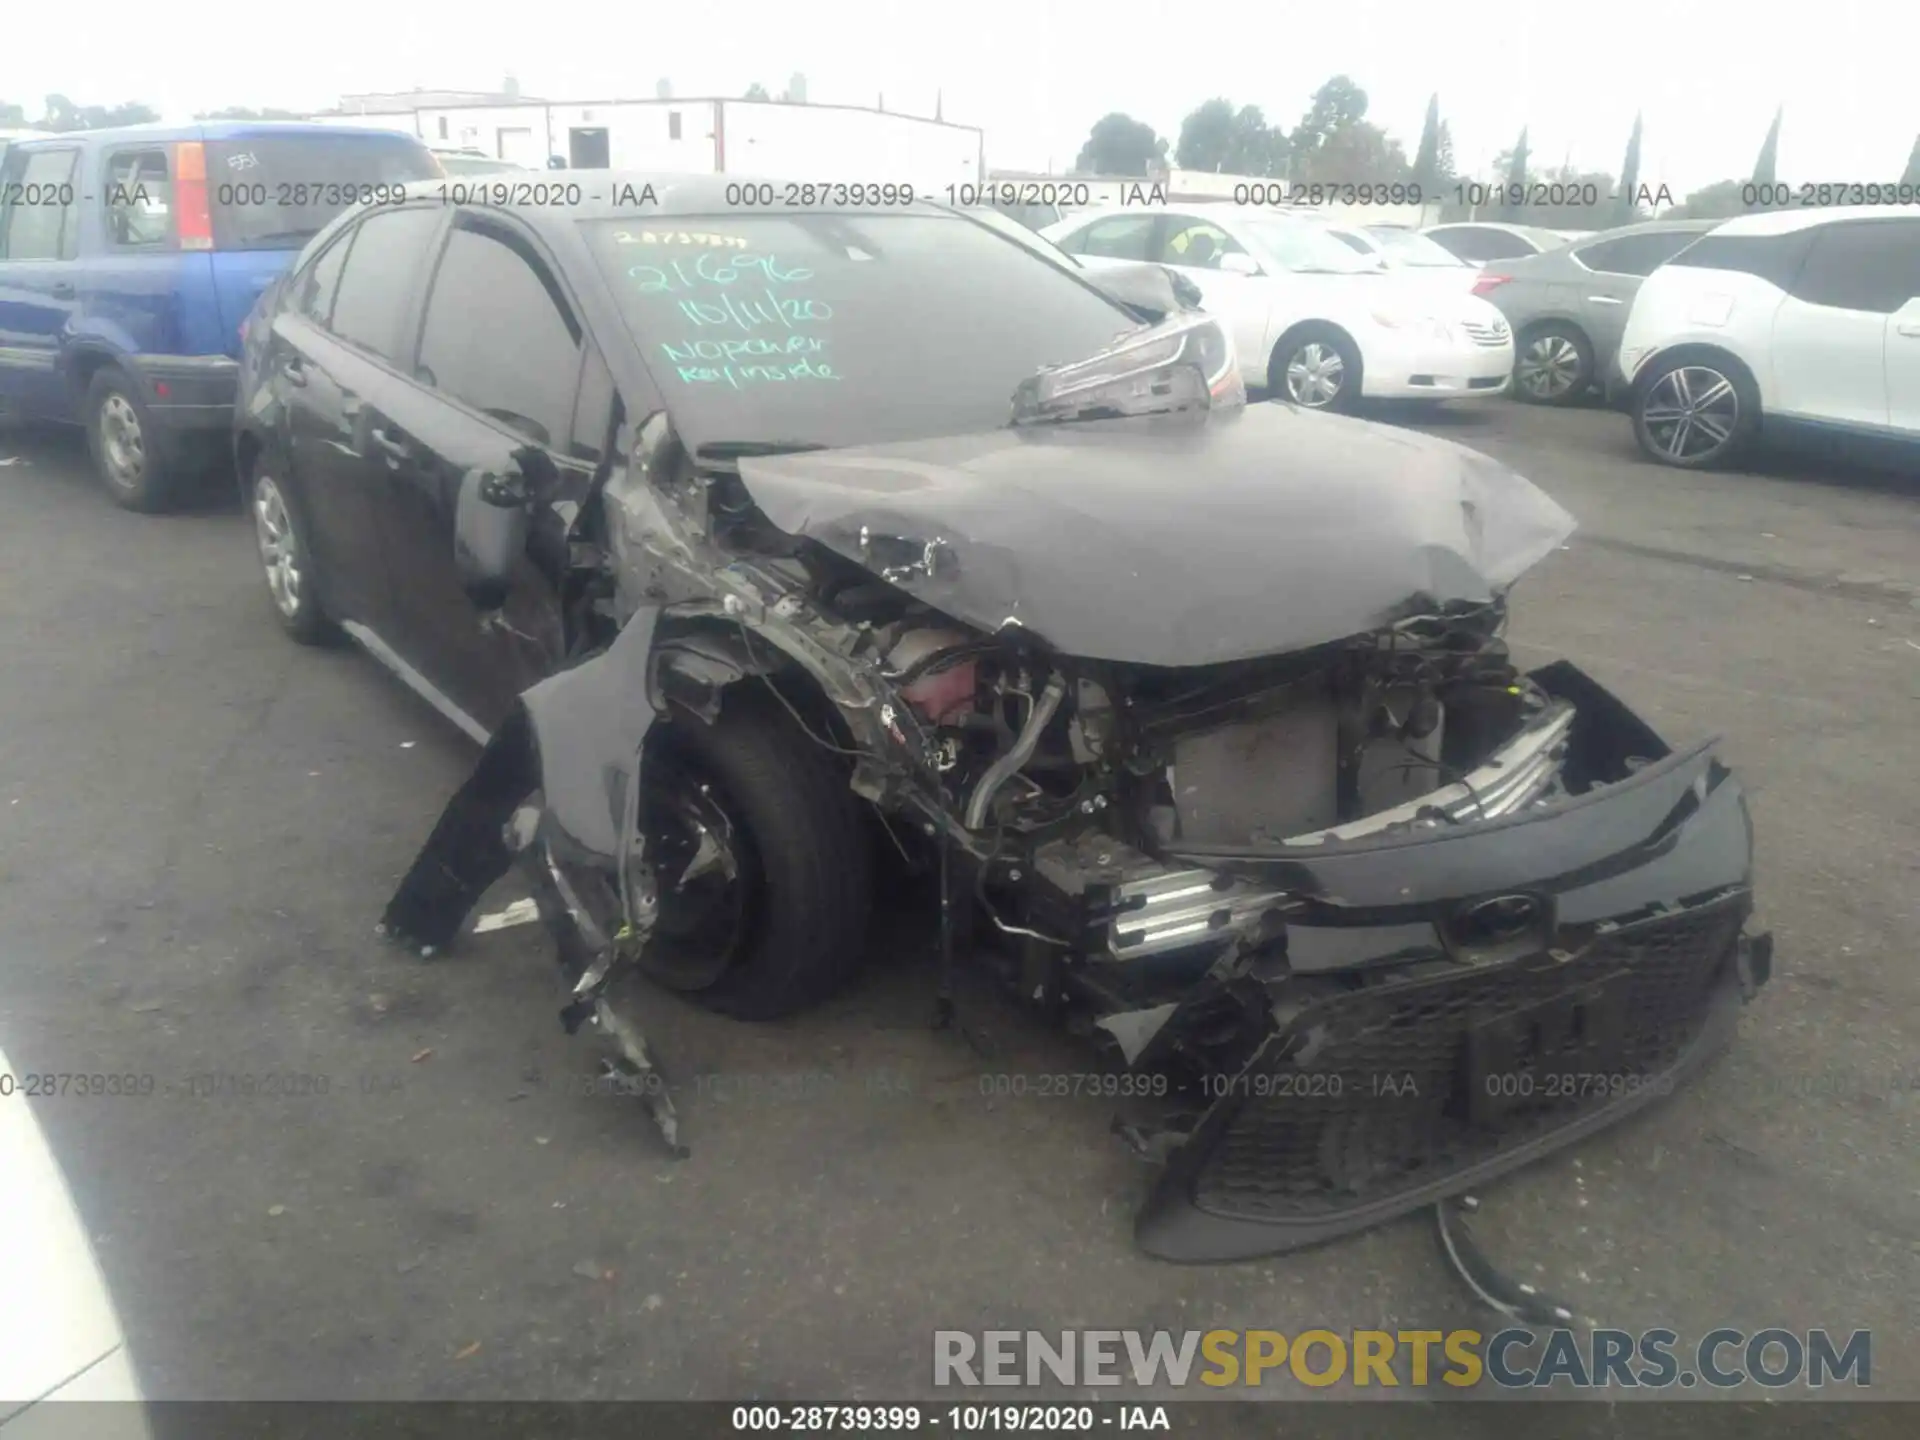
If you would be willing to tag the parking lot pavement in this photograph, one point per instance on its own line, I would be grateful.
(201, 823)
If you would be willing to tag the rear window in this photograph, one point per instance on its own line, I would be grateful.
(1774, 258)
(276, 192)
(838, 329)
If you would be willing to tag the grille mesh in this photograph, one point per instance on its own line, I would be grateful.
(1380, 1097)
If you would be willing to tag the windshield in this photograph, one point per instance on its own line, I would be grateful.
(1304, 247)
(1405, 247)
(847, 328)
(276, 191)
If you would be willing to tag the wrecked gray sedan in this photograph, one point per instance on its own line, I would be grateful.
(1201, 715)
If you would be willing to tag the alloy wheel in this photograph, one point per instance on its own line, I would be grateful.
(1548, 367)
(1691, 413)
(122, 442)
(1315, 375)
(279, 546)
(705, 875)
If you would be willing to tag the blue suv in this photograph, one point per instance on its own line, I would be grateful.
(130, 258)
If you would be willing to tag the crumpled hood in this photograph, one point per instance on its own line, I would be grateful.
(1176, 540)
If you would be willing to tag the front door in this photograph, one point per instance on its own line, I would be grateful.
(1830, 335)
(496, 384)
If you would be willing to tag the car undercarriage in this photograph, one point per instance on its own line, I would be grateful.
(1248, 792)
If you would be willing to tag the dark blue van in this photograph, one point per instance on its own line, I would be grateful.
(129, 259)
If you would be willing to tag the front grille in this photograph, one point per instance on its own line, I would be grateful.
(1491, 335)
(1387, 1089)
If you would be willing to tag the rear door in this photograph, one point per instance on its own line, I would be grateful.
(39, 293)
(1830, 335)
(331, 361)
(271, 191)
(1902, 258)
(503, 365)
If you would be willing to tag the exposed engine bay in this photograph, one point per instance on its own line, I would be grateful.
(1248, 791)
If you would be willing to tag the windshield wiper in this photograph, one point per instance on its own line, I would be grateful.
(727, 454)
(283, 235)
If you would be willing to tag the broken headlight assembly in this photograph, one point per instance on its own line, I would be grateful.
(1186, 363)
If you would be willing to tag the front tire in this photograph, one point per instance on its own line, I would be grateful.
(126, 445)
(1696, 412)
(1317, 368)
(762, 858)
(280, 535)
(1554, 366)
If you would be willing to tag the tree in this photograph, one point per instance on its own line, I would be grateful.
(240, 112)
(1426, 160)
(63, 115)
(1515, 176)
(13, 116)
(1216, 137)
(1336, 105)
(1626, 212)
(1586, 203)
(1719, 201)
(1911, 176)
(757, 91)
(1356, 154)
(1763, 167)
(1445, 171)
(796, 91)
(1120, 145)
(1205, 136)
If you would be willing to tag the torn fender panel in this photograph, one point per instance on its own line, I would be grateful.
(575, 736)
(1175, 540)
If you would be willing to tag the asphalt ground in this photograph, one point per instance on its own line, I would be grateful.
(199, 823)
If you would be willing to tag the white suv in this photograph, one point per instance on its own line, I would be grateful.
(1803, 317)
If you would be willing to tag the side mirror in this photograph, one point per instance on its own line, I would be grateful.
(1237, 262)
(490, 528)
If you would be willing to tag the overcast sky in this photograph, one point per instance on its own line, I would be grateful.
(1037, 73)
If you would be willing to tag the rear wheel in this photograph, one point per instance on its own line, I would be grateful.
(762, 860)
(126, 444)
(1317, 368)
(1554, 366)
(281, 537)
(1696, 412)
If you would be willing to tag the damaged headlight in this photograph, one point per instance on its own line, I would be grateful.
(1186, 363)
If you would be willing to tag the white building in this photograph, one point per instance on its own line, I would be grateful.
(842, 143)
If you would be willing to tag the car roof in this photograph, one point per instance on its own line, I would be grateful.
(1785, 222)
(163, 131)
(1538, 233)
(1647, 227)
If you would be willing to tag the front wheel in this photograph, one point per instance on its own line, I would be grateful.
(1696, 413)
(761, 858)
(1316, 368)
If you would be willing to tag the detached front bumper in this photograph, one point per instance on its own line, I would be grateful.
(189, 393)
(1411, 365)
(1468, 999)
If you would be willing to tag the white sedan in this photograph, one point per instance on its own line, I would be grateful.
(1322, 325)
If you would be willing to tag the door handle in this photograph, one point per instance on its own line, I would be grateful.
(1604, 300)
(395, 448)
(295, 370)
(1909, 328)
(63, 289)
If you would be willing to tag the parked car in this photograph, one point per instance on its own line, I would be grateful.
(988, 596)
(1568, 306)
(459, 162)
(1408, 251)
(129, 258)
(1478, 241)
(11, 137)
(1322, 326)
(63, 1355)
(1783, 320)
